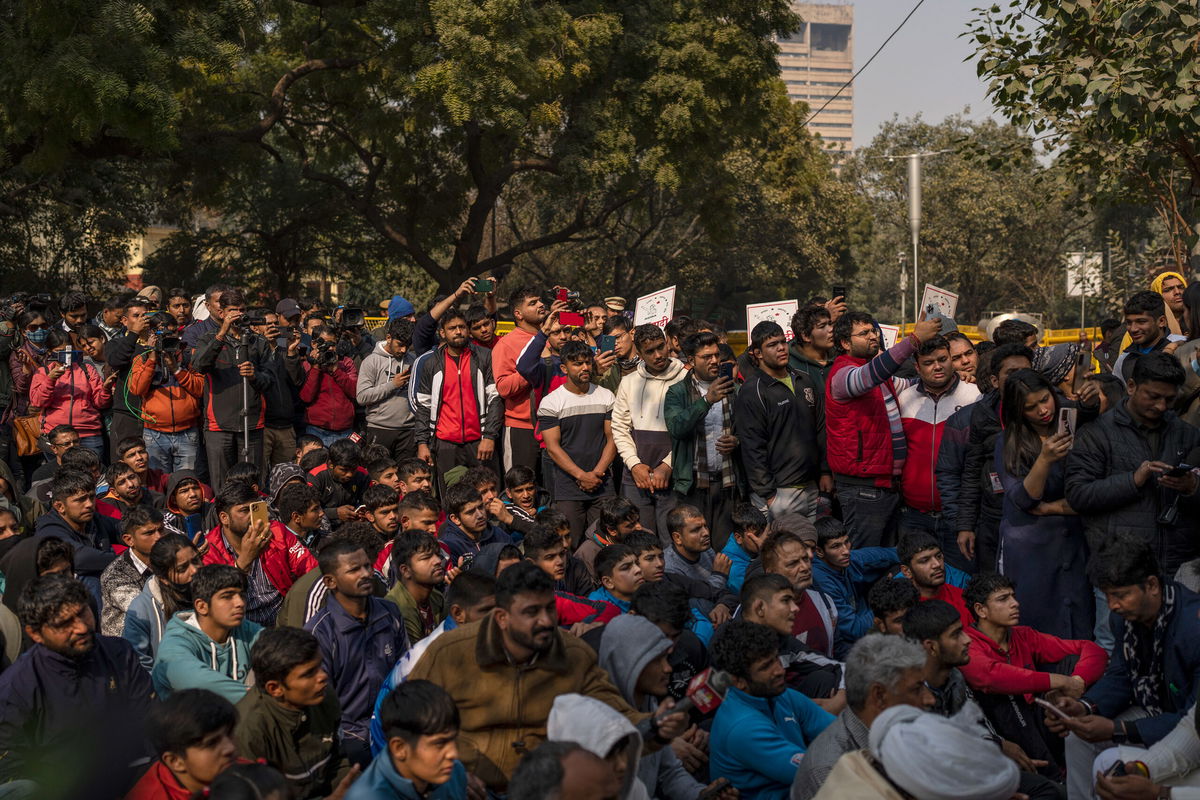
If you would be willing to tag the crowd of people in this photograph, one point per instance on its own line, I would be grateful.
(267, 552)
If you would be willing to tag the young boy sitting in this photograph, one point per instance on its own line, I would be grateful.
(420, 573)
(619, 574)
(749, 531)
(524, 498)
(576, 579)
(414, 476)
(545, 548)
(421, 724)
(209, 647)
(192, 732)
(382, 472)
(290, 718)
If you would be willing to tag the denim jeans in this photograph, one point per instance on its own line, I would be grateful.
(172, 451)
(95, 444)
(327, 437)
(941, 528)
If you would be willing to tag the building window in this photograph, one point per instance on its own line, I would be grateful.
(830, 37)
(796, 38)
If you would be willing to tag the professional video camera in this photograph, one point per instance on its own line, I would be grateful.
(352, 318)
(252, 317)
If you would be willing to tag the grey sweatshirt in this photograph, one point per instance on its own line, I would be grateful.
(386, 406)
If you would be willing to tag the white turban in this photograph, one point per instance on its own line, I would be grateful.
(938, 758)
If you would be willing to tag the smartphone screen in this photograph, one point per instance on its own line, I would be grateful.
(484, 284)
(837, 291)
(562, 295)
(571, 319)
(606, 342)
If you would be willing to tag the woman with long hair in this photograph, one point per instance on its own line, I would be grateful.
(1042, 544)
(173, 563)
(33, 329)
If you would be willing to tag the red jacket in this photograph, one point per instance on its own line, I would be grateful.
(284, 560)
(924, 417)
(954, 596)
(1015, 672)
(330, 398)
(857, 434)
(158, 783)
(572, 608)
(75, 398)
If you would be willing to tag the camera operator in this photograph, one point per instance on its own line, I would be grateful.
(119, 353)
(330, 384)
(283, 398)
(170, 393)
(354, 342)
(225, 357)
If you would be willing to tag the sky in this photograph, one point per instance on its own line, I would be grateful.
(921, 69)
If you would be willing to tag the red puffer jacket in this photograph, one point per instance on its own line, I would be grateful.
(284, 560)
(857, 434)
(330, 398)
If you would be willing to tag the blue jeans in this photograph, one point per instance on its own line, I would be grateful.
(95, 444)
(940, 527)
(172, 451)
(327, 437)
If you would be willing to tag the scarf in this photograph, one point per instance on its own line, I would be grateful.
(700, 469)
(1149, 683)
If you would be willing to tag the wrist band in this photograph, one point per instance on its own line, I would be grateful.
(1139, 766)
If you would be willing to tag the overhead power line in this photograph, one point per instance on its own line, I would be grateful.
(869, 60)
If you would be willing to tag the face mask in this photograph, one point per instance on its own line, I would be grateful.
(37, 336)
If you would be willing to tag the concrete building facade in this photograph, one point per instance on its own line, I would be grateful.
(815, 62)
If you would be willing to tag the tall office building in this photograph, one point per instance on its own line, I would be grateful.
(818, 59)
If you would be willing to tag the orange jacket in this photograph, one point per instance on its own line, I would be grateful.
(168, 408)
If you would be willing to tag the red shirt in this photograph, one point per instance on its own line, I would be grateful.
(458, 416)
(809, 626)
(954, 596)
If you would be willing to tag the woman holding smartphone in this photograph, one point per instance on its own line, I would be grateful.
(1042, 544)
(71, 392)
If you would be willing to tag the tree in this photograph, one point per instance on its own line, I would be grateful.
(1113, 86)
(994, 233)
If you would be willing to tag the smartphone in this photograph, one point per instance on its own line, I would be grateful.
(1117, 770)
(606, 342)
(483, 285)
(1053, 709)
(836, 292)
(464, 563)
(562, 295)
(725, 369)
(258, 511)
(1179, 471)
(1066, 421)
(571, 319)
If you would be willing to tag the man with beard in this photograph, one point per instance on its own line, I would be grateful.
(763, 728)
(124, 578)
(361, 637)
(924, 408)
(457, 411)
(289, 717)
(421, 571)
(789, 553)
(518, 651)
(72, 707)
(186, 509)
(921, 561)
(125, 492)
(864, 433)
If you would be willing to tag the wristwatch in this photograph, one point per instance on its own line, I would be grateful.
(1120, 734)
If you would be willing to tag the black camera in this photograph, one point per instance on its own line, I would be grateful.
(323, 354)
(252, 318)
(352, 317)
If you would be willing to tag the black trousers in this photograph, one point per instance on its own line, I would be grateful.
(224, 449)
(716, 504)
(401, 442)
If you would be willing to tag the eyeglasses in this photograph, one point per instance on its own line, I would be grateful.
(864, 335)
(68, 443)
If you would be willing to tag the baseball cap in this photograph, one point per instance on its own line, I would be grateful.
(287, 308)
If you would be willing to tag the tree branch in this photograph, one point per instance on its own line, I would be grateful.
(278, 99)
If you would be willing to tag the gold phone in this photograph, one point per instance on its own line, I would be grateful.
(258, 511)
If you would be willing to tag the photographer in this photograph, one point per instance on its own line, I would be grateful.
(139, 323)
(71, 393)
(170, 394)
(330, 384)
(354, 342)
(238, 370)
(283, 397)
(382, 390)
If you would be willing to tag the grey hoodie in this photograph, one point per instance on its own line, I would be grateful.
(386, 406)
(597, 728)
(629, 644)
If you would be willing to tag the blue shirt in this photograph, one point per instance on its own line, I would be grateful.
(608, 597)
(381, 781)
(757, 742)
(741, 561)
(357, 655)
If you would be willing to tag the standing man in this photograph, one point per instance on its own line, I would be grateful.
(621, 329)
(865, 435)
(237, 373)
(282, 400)
(640, 428)
(127, 342)
(179, 306)
(212, 323)
(361, 638)
(924, 408)
(383, 391)
(963, 356)
(699, 415)
(520, 445)
(780, 423)
(576, 425)
(811, 351)
(457, 409)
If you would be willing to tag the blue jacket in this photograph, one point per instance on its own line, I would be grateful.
(189, 659)
(758, 742)
(144, 624)
(398, 675)
(849, 588)
(1113, 693)
(741, 561)
(606, 596)
(357, 656)
(380, 781)
(459, 544)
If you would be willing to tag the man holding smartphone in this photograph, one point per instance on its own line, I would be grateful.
(382, 391)
(699, 415)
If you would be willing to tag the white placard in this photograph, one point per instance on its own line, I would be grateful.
(655, 308)
(944, 302)
(780, 311)
(891, 333)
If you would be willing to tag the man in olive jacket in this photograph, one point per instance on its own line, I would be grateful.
(505, 671)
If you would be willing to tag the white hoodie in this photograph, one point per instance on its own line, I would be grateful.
(639, 424)
(597, 728)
